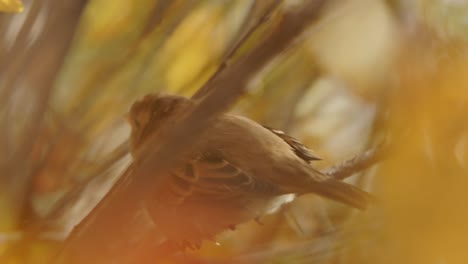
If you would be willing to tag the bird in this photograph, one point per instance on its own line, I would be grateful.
(236, 171)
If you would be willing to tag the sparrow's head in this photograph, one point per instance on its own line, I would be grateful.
(148, 114)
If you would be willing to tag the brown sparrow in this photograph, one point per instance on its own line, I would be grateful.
(237, 170)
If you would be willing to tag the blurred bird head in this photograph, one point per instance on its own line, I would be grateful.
(147, 115)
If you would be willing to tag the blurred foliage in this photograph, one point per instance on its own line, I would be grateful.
(446, 18)
(423, 185)
(369, 69)
(11, 6)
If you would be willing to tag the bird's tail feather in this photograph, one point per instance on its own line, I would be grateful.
(344, 193)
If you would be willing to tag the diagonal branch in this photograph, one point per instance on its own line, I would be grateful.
(237, 45)
(226, 88)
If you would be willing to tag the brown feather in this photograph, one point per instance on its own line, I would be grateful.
(300, 149)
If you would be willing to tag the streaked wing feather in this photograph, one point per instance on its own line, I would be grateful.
(217, 179)
(299, 149)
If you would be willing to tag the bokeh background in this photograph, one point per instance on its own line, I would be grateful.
(366, 71)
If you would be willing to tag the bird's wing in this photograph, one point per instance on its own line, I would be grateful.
(213, 177)
(301, 151)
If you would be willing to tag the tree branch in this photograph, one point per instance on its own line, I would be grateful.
(233, 50)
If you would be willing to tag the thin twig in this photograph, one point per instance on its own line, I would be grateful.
(73, 195)
(230, 54)
(358, 163)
